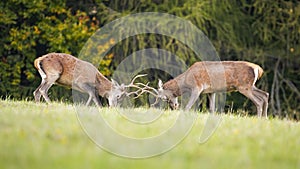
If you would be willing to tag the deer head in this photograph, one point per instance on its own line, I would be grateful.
(118, 92)
(161, 93)
(167, 95)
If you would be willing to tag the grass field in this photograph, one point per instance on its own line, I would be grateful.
(50, 136)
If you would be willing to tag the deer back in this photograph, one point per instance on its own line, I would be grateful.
(215, 76)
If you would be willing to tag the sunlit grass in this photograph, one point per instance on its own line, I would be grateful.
(50, 136)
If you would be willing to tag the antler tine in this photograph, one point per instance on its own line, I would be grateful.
(134, 92)
(145, 86)
(156, 101)
(138, 95)
(144, 89)
(131, 84)
(141, 90)
(151, 88)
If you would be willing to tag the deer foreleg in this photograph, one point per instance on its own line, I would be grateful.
(89, 100)
(212, 102)
(194, 96)
(91, 92)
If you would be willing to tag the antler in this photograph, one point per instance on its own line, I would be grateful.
(143, 88)
(131, 84)
(154, 93)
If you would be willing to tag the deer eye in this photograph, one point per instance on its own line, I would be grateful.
(118, 96)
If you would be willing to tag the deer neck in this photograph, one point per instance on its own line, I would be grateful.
(104, 86)
(173, 86)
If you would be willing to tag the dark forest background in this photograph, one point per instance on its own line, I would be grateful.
(265, 32)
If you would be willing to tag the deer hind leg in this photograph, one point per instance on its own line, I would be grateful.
(249, 93)
(264, 96)
(48, 82)
(37, 94)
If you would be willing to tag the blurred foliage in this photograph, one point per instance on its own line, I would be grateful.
(261, 31)
(32, 28)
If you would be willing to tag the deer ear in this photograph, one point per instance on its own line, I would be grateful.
(115, 83)
(123, 86)
(160, 84)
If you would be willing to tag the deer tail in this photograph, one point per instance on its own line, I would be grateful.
(38, 66)
(260, 72)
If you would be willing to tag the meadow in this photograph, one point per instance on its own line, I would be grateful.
(50, 136)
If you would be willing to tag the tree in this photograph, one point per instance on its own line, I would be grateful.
(32, 28)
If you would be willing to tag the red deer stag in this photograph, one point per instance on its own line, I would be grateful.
(67, 70)
(207, 77)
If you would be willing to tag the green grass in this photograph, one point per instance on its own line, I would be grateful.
(50, 136)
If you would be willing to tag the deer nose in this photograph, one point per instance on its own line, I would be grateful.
(175, 106)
